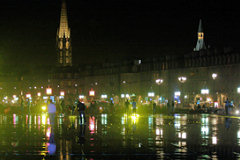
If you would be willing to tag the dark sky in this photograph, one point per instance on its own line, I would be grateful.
(113, 29)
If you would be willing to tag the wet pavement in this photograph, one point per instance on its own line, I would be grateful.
(106, 136)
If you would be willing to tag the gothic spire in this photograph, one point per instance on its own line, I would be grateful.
(63, 27)
(200, 42)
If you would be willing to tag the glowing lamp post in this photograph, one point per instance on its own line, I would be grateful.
(49, 91)
(182, 80)
(214, 76)
(159, 82)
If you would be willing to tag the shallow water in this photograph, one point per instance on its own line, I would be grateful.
(105, 136)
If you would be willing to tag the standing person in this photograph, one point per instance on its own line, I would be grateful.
(227, 105)
(173, 106)
(81, 109)
(154, 107)
(51, 112)
(126, 106)
(134, 106)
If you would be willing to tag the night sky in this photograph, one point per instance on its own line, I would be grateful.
(109, 30)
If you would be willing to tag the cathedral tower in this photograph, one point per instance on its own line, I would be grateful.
(200, 42)
(64, 48)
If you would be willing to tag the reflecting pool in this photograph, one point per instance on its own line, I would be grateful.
(122, 136)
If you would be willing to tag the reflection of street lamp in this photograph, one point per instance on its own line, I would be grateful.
(159, 82)
(182, 80)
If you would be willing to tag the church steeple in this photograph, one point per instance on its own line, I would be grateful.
(200, 42)
(64, 48)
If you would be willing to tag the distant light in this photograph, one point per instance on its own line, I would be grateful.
(177, 93)
(42, 87)
(103, 96)
(185, 96)
(76, 85)
(30, 87)
(49, 91)
(62, 93)
(124, 82)
(182, 79)
(96, 83)
(238, 89)
(184, 135)
(28, 95)
(81, 96)
(204, 91)
(237, 112)
(151, 94)
(14, 96)
(45, 97)
(92, 93)
(35, 87)
(44, 108)
(159, 81)
(214, 76)
(208, 99)
(39, 94)
(214, 140)
(122, 95)
(127, 96)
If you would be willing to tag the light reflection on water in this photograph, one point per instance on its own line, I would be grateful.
(161, 136)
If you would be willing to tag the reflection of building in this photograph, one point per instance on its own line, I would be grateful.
(64, 48)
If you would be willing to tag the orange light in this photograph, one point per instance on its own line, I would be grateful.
(92, 93)
(49, 91)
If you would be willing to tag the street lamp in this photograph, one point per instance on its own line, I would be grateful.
(182, 80)
(214, 76)
(159, 82)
